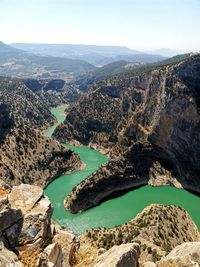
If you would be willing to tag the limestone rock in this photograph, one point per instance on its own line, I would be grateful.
(125, 255)
(8, 258)
(66, 241)
(186, 254)
(36, 222)
(29, 216)
(65, 235)
(25, 196)
(51, 256)
(9, 216)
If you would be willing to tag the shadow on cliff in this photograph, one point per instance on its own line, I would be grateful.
(13, 234)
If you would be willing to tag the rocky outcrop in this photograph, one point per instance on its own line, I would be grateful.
(158, 229)
(154, 127)
(32, 230)
(28, 237)
(25, 217)
(51, 256)
(120, 256)
(25, 196)
(186, 254)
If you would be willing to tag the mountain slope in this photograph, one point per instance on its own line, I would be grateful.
(156, 229)
(26, 156)
(53, 92)
(24, 105)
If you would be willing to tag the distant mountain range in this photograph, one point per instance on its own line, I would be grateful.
(18, 63)
(93, 54)
(71, 61)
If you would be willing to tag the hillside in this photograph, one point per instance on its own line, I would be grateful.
(18, 63)
(148, 122)
(156, 229)
(53, 92)
(26, 155)
(24, 104)
(119, 69)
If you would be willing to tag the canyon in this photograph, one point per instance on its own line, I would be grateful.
(146, 122)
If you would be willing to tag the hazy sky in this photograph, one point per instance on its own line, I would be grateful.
(139, 24)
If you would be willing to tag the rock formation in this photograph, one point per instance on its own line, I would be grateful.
(186, 254)
(150, 123)
(27, 235)
(120, 256)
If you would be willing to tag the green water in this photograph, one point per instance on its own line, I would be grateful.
(115, 211)
(60, 116)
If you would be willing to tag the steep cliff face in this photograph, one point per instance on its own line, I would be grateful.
(94, 117)
(154, 131)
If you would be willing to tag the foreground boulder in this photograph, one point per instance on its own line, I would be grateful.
(187, 254)
(28, 237)
(51, 256)
(25, 219)
(125, 255)
(25, 196)
(34, 226)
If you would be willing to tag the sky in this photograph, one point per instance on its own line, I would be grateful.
(138, 24)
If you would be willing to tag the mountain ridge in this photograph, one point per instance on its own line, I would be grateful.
(93, 54)
(22, 64)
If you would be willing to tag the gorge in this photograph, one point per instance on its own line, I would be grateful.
(107, 213)
(130, 197)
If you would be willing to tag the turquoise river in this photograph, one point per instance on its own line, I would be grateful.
(115, 211)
